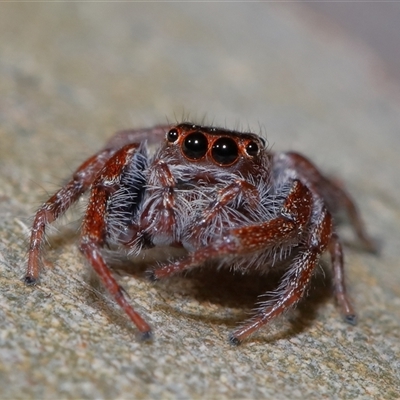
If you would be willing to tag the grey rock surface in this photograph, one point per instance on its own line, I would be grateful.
(71, 75)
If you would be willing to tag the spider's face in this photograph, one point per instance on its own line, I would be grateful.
(215, 147)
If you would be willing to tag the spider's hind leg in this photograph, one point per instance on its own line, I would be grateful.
(335, 196)
(343, 200)
(339, 286)
(129, 136)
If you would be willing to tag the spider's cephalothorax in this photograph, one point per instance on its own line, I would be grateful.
(220, 195)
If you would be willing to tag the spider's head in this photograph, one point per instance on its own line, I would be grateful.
(215, 146)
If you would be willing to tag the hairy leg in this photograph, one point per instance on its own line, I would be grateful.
(151, 135)
(54, 207)
(296, 280)
(80, 182)
(94, 230)
(345, 202)
(285, 227)
(334, 195)
(339, 286)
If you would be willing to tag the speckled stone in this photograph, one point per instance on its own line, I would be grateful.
(70, 75)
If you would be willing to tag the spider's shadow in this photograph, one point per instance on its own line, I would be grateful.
(242, 292)
(216, 286)
(237, 291)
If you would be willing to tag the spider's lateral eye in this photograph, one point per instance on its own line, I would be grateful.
(252, 149)
(172, 135)
(195, 146)
(225, 151)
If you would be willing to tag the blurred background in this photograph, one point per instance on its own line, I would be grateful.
(374, 24)
(318, 78)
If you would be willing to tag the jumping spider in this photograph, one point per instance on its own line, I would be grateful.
(220, 195)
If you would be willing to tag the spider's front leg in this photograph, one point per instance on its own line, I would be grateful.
(290, 226)
(295, 282)
(287, 226)
(127, 162)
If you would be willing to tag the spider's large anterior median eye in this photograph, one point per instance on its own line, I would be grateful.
(172, 135)
(225, 151)
(252, 149)
(195, 146)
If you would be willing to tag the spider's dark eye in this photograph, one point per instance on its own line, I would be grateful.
(252, 149)
(195, 146)
(172, 135)
(225, 151)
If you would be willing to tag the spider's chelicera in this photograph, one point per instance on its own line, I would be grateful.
(220, 195)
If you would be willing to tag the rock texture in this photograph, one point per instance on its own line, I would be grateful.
(70, 75)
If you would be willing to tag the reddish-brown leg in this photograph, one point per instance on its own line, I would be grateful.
(288, 225)
(158, 213)
(57, 205)
(331, 191)
(94, 231)
(150, 135)
(294, 283)
(336, 251)
(200, 231)
(346, 202)
(82, 179)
